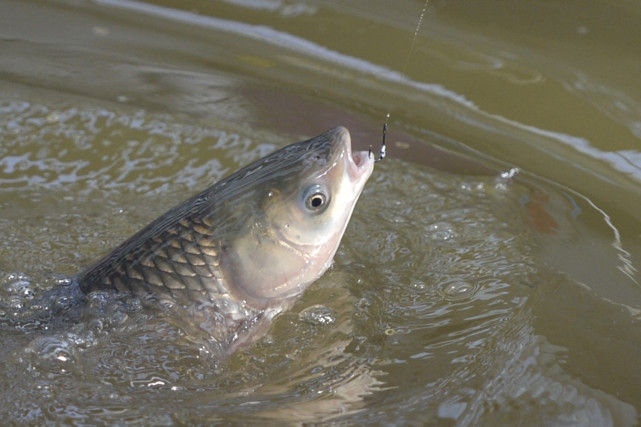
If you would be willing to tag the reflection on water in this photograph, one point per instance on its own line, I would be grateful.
(457, 297)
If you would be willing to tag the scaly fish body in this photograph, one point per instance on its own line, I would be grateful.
(243, 249)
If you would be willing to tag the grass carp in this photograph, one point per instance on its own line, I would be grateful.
(240, 252)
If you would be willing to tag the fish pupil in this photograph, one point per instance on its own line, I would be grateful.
(317, 201)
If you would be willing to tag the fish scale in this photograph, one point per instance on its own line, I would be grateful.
(177, 265)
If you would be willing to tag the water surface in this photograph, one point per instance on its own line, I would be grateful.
(457, 297)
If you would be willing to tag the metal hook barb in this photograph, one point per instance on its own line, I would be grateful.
(383, 150)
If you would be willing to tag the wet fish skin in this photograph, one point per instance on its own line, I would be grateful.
(242, 250)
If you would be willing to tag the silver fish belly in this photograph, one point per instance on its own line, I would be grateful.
(246, 247)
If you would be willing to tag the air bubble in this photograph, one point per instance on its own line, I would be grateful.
(318, 315)
(17, 289)
(418, 286)
(441, 231)
(15, 302)
(457, 290)
(52, 354)
(504, 180)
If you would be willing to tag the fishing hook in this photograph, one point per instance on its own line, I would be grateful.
(383, 150)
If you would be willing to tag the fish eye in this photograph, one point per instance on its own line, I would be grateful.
(316, 198)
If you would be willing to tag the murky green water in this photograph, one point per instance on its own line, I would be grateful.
(457, 296)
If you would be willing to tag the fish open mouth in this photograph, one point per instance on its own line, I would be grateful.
(360, 158)
(360, 163)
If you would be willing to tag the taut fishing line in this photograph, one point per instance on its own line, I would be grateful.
(383, 150)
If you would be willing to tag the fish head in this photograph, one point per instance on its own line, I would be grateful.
(306, 196)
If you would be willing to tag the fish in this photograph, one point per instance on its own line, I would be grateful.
(237, 254)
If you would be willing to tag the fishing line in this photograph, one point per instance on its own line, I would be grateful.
(383, 150)
(418, 28)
